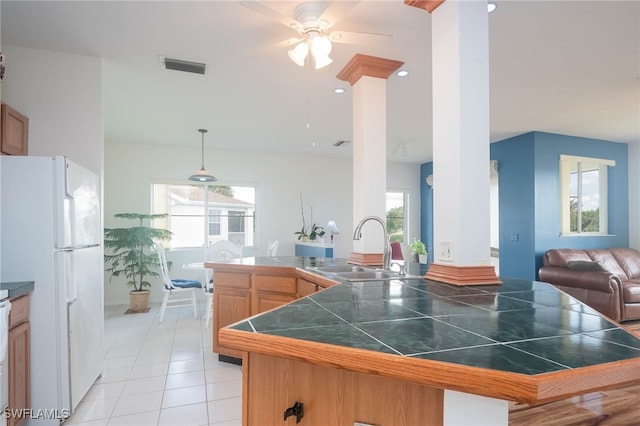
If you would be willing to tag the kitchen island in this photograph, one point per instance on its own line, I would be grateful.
(412, 351)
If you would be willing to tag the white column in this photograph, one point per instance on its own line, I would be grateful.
(460, 49)
(368, 77)
(463, 409)
(369, 160)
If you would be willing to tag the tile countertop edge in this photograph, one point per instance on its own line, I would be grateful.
(17, 288)
(504, 385)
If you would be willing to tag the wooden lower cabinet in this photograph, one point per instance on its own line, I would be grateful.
(18, 357)
(229, 306)
(306, 287)
(333, 396)
(241, 291)
(267, 301)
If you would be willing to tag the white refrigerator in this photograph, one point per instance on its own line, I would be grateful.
(51, 233)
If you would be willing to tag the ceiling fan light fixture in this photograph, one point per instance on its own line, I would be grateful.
(322, 61)
(202, 175)
(320, 49)
(320, 46)
(299, 53)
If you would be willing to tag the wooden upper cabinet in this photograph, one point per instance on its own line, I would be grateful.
(14, 134)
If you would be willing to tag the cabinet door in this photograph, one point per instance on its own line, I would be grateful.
(229, 306)
(18, 357)
(15, 132)
(306, 288)
(268, 301)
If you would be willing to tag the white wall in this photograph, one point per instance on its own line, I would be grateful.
(62, 96)
(325, 184)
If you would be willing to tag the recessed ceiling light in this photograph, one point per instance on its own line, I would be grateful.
(339, 90)
(402, 73)
(491, 7)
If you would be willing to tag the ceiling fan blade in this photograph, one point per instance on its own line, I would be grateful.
(350, 37)
(275, 46)
(337, 10)
(265, 10)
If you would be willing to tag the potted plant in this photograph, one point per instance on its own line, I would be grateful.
(131, 255)
(303, 234)
(316, 232)
(419, 250)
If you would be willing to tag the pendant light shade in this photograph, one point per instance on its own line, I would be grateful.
(202, 175)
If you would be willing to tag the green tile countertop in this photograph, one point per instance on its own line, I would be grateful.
(524, 327)
(17, 289)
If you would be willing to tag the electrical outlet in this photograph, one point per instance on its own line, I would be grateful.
(446, 251)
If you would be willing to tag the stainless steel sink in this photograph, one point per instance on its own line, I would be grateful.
(340, 269)
(369, 275)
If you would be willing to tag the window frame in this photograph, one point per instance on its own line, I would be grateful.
(568, 165)
(405, 211)
(207, 208)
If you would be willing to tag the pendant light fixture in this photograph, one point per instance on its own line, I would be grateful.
(202, 175)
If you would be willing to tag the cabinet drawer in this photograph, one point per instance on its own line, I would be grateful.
(231, 279)
(306, 288)
(19, 311)
(276, 284)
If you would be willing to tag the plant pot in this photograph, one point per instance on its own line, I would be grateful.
(139, 300)
(422, 258)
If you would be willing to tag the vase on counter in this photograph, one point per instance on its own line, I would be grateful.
(422, 258)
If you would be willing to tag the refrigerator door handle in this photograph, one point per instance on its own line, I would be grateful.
(67, 194)
(66, 269)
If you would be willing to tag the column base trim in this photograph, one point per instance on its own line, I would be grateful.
(366, 259)
(462, 275)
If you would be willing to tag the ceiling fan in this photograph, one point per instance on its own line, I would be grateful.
(313, 21)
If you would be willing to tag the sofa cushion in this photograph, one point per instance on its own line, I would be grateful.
(631, 291)
(629, 260)
(606, 259)
(560, 257)
(585, 265)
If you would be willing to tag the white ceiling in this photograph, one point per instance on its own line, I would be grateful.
(568, 67)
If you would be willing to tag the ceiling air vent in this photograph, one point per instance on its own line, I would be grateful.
(340, 143)
(184, 66)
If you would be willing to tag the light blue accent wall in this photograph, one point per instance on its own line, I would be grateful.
(548, 148)
(516, 210)
(529, 192)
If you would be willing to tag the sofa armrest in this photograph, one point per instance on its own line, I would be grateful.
(600, 290)
(605, 282)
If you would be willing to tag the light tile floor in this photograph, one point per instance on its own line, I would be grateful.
(160, 374)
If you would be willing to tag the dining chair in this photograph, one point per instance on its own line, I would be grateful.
(396, 251)
(272, 248)
(218, 251)
(173, 287)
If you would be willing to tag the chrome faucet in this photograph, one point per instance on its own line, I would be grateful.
(386, 255)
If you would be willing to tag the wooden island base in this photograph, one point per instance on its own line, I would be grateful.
(340, 397)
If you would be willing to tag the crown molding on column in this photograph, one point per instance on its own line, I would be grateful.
(371, 66)
(428, 5)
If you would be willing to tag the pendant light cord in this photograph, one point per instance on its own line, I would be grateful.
(202, 131)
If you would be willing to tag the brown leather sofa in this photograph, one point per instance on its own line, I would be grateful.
(608, 280)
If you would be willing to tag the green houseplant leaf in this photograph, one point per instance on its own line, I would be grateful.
(129, 251)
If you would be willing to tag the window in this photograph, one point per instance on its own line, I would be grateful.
(397, 204)
(214, 221)
(583, 195)
(200, 214)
